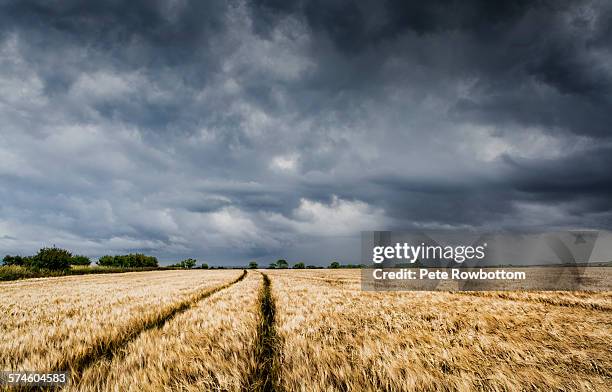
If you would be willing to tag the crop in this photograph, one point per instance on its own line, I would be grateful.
(340, 338)
(301, 330)
(208, 347)
(60, 323)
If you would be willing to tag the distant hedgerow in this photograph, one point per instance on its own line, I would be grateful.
(132, 260)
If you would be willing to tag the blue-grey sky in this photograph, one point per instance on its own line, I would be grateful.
(239, 130)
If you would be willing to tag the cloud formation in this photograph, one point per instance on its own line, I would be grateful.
(261, 129)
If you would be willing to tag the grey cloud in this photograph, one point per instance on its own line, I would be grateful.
(236, 130)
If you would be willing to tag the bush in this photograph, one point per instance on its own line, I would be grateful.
(299, 266)
(52, 258)
(14, 272)
(28, 261)
(334, 264)
(204, 266)
(80, 260)
(253, 265)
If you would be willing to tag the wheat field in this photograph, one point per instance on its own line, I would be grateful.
(53, 323)
(207, 347)
(341, 338)
(301, 330)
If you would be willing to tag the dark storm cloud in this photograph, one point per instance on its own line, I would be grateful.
(178, 28)
(511, 48)
(584, 173)
(228, 130)
(140, 35)
(355, 25)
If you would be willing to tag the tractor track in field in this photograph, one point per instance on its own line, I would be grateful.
(264, 377)
(108, 350)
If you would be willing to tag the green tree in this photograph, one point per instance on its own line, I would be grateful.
(12, 260)
(132, 260)
(253, 265)
(188, 263)
(299, 266)
(204, 266)
(79, 260)
(334, 264)
(282, 264)
(52, 258)
(106, 261)
(272, 266)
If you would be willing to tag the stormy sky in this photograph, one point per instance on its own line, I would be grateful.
(238, 130)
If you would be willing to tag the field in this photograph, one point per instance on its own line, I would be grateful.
(60, 322)
(300, 330)
(343, 339)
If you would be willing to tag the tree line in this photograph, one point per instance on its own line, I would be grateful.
(47, 258)
(283, 264)
(132, 260)
(54, 258)
(61, 259)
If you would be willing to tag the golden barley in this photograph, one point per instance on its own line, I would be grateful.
(51, 323)
(339, 338)
(208, 347)
(326, 335)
